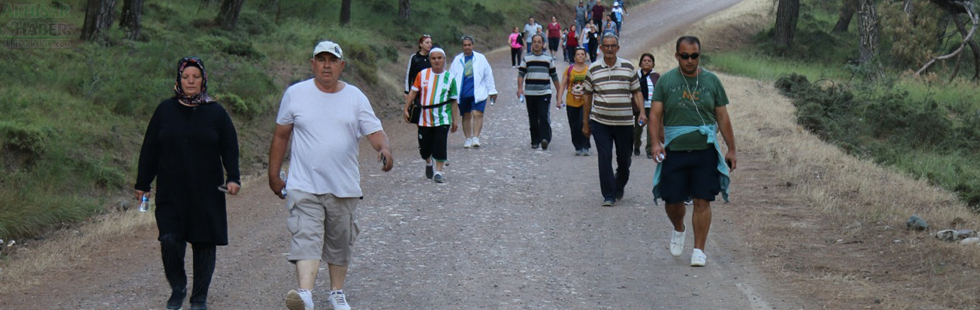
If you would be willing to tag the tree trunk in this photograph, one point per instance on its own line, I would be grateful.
(868, 21)
(847, 9)
(908, 7)
(131, 18)
(787, 14)
(228, 15)
(404, 9)
(344, 12)
(973, 45)
(98, 19)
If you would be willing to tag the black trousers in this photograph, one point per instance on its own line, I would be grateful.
(593, 50)
(606, 137)
(579, 140)
(638, 134)
(539, 117)
(173, 249)
(515, 56)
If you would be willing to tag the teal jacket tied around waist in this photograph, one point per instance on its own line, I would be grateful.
(671, 132)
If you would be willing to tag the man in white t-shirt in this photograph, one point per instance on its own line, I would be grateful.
(325, 118)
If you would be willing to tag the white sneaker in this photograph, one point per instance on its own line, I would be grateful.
(468, 143)
(677, 242)
(338, 300)
(299, 300)
(476, 141)
(698, 258)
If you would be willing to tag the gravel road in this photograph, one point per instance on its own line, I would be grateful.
(514, 228)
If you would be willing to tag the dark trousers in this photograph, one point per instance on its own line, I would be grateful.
(539, 117)
(579, 140)
(593, 50)
(605, 138)
(173, 250)
(638, 134)
(515, 56)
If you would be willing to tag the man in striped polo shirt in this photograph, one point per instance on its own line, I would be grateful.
(536, 70)
(611, 87)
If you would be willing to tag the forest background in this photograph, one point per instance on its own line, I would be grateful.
(81, 78)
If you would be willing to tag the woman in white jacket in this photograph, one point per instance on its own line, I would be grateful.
(474, 79)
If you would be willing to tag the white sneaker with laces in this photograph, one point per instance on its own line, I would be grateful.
(476, 141)
(677, 242)
(698, 259)
(338, 300)
(299, 300)
(468, 143)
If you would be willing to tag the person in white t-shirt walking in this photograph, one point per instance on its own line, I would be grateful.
(325, 118)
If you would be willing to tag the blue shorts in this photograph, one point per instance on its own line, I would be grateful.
(690, 174)
(466, 105)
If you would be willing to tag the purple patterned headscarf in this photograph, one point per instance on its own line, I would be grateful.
(201, 97)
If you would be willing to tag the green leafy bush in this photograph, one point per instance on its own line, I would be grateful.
(25, 137)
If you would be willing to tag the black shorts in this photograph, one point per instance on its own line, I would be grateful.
(432, 142)
(685, 175)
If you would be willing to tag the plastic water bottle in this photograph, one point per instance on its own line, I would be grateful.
(521, 98)
(282, 175)
(144, 203)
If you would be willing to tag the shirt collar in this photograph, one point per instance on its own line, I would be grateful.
(619, 63)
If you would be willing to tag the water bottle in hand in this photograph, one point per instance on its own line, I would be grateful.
(282, 175)
(144, 203)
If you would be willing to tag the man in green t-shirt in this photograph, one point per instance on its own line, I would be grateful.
(689, 106)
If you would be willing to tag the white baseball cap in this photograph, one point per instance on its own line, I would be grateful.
(328, 47)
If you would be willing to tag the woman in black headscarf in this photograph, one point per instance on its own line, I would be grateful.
(191, 148)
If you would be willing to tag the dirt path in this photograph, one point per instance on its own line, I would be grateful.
(512, 228)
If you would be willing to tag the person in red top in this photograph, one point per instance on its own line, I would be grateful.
(554, 36)
(571, 42)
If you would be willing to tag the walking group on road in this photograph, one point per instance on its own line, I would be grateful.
(191, 147)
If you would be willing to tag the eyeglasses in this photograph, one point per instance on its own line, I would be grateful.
(686, 56)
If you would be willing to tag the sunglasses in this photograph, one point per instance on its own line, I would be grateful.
(689, 56)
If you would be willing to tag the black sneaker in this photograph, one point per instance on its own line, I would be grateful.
(636, 152)
(534, 146)
(544, 144)
(649, 156)
(199, 305)
(176, 300)
(428, 172)
(620, 194)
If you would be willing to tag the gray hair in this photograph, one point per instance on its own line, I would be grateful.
(468, 38)
(609, 35)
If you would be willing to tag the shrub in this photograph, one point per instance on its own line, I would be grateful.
(25, 137)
